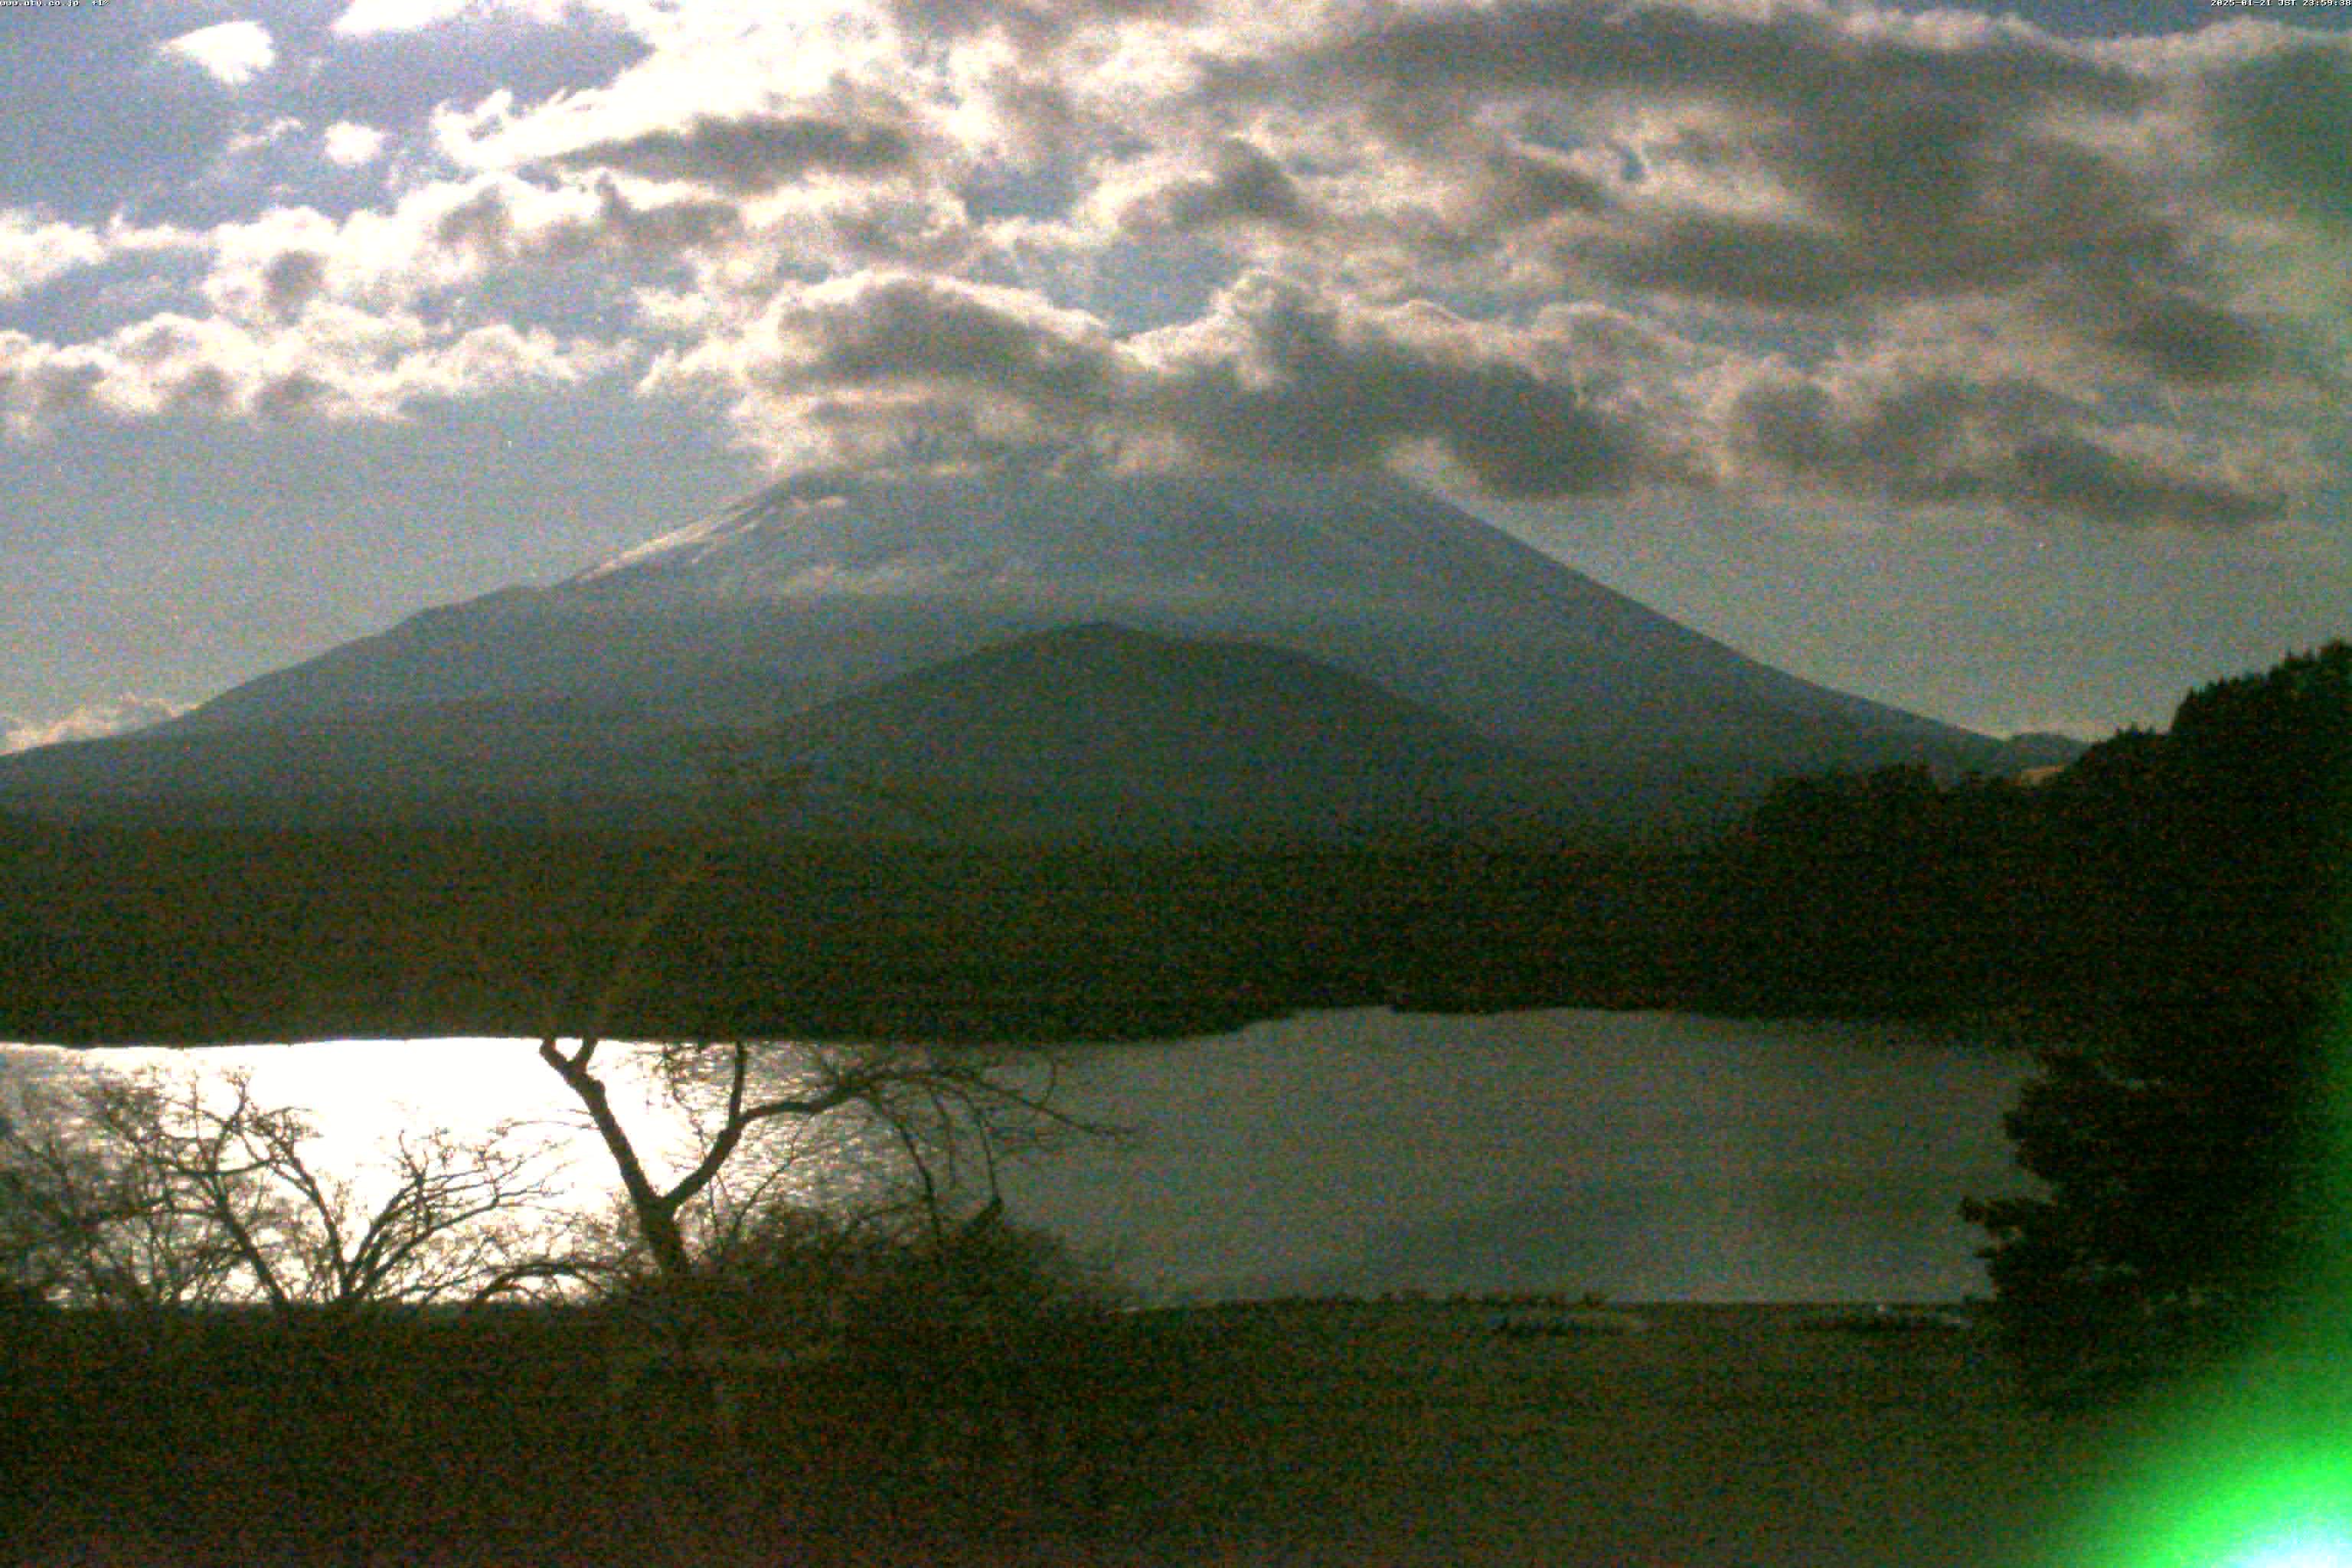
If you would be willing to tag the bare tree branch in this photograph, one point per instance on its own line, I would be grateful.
(215, 1192)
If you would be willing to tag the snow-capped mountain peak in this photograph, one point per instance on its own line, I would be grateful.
(790, 599)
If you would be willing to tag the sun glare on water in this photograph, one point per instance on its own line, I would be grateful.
(361, 1096)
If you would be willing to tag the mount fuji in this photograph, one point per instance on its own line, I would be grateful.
(1171, 656)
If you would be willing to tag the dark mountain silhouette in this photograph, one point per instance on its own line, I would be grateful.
(1403, 658)
(1102, 731)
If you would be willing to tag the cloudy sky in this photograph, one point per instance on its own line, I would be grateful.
(1990, 365)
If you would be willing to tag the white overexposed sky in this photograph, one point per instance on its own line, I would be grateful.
(1988, 364)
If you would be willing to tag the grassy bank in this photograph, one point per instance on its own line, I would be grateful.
(1331, 1432)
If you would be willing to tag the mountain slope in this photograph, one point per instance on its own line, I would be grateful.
(1099, 730)
(791, 600)
(1365, 571)
(1092, 730)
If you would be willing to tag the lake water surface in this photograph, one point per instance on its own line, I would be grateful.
(1649, 1156)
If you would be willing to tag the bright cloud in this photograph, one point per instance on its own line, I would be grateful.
(90, 722)
(1920, 260)
(351, 146)
(32, 252)
(231, 53)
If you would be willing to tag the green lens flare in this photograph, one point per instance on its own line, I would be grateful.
(2314, 1549)
(2253, 1468)
(2224, 1504)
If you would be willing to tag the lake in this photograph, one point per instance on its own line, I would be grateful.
(1648, 1156)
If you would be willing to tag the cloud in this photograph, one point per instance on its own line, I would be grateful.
(291, 279)
(231, 53)
(32, 252)
(888, 367)
(1923, 260)
(902, 369)
(2283, 119)
(902, 328)
(751, 152)
(1275, 376)
(1243, 184)
(91, 722)
(1794, 56)
(330, 361)
(438, 239)
(1033, 24)
(2009, 444)
(350, 145)
(2069, 474)
(501, 223)
(1895, 220)
(1795, 158)
(2181, 338)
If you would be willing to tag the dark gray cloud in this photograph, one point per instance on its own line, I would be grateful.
(907, 369)
(1900, 204)
(1793, 57)
(654, 228)
(910, 331)
(206, 390)
(1949, 193)
(1033, 24)
(291, 279)
(2285, 119)
(753, 153)
(1957, 238)
(1753, 261)
(2071, 474)
(1911, 162)
(1907, 163)
(2009, 444)
(57, 386)
(894, 228)
(1514, 187)
(484, 224)
(295, 395)
(1296, 382)
(1243, 184)
(1911, 443)
(2184, 338)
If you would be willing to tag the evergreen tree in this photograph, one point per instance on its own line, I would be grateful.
(2186, 1138)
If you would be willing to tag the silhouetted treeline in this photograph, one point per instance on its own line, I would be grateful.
(2189, 1127)
(156, 930)
(2123, 881)
(2155, 875)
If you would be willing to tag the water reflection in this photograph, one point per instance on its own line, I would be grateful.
(1650, 1156)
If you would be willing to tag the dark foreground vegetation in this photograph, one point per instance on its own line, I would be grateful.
(564, 1435)
(1310, 1433)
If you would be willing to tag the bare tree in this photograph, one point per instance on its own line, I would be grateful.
(82, 1225)
(943, 1110)
(932, 1124)
(156, 1194)
(949, 1115)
